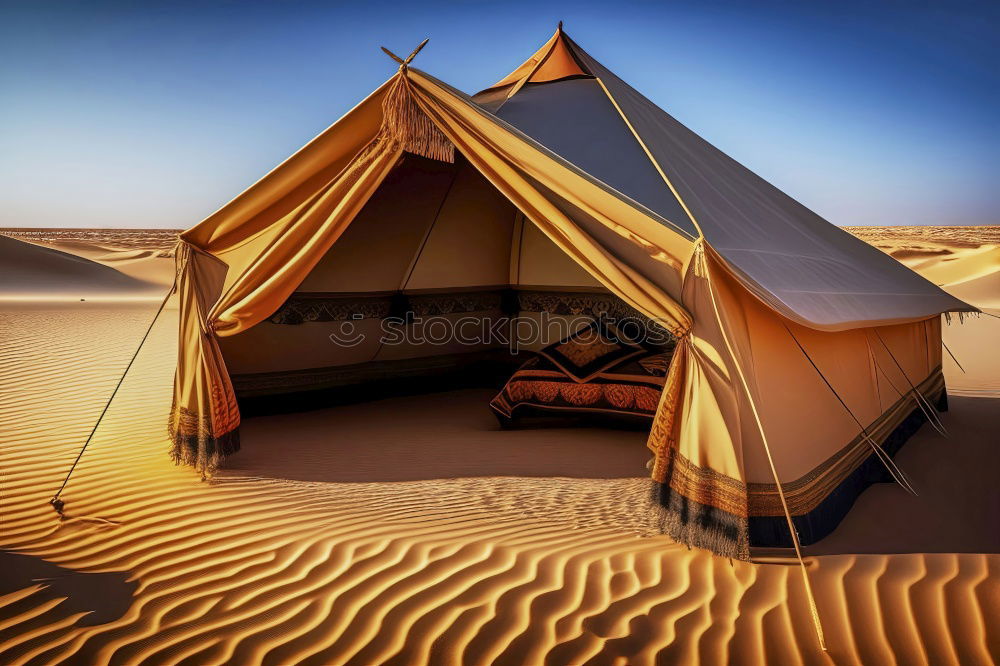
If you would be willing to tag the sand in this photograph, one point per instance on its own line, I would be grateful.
(324, 551)
(963, 260)
(143, 256)
(31, 271)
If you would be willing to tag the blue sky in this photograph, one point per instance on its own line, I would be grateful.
(146, 114)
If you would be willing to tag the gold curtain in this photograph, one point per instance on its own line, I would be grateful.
(204, 418)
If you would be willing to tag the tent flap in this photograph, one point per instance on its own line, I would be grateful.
(204, 417)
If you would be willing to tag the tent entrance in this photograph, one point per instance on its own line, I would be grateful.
(439, 283)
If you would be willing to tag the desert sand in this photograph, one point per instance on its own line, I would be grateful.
(34, 272)
(143, 256)
(394, 548)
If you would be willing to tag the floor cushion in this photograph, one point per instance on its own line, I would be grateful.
(604, 380)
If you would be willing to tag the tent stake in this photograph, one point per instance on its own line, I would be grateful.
(56, 502)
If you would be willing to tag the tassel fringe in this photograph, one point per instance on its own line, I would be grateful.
(404, 123)
(699, 525)
(194, 443)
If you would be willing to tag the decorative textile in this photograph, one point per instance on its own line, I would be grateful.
(590, 350)
(304, 307)
(404, 123)
(428, 305)
(570, 303)
(626, 388)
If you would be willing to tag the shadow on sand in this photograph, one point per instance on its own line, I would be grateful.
(454, 435)
(103, 596)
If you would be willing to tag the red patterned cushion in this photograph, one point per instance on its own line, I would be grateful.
(627, 387)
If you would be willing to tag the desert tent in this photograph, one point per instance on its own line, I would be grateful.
(804, 357)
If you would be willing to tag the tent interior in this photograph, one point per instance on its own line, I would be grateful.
(478, 286)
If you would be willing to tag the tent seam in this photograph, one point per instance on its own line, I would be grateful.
(650, 157)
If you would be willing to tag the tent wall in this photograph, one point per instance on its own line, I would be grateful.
(541, 263)
(822, 460)
(375, 252)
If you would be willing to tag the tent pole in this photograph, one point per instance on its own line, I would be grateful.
(57, 503)
(814, 610)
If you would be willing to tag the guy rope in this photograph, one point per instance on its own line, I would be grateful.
(57, 503)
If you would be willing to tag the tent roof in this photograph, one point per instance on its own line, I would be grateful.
(790, 257)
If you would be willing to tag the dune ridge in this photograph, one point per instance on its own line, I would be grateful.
(31, 270)
(506, 570)
(965, 261)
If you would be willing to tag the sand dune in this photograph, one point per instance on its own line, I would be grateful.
(33, 270)
(155, 266)
(963, 260)
(143, 254)
(287, 558)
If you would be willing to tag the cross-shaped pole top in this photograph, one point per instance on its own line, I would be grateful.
(403, 63)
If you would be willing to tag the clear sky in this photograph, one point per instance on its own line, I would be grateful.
(149, 114)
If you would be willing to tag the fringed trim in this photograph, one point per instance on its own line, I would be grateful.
(405, 124)
(194, 443)
(701, 525)
(961, 316)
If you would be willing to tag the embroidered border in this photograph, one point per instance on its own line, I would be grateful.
(304, 307)
(807, 492)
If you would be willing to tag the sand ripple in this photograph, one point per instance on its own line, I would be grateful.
(474, 571)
